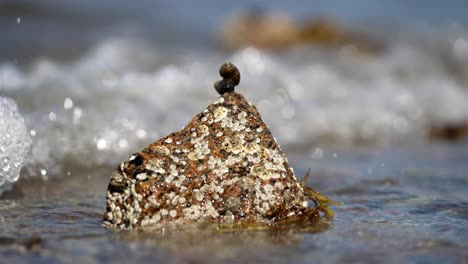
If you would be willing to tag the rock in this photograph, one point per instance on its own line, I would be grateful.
(327, 33)
(449, 132)
(223, 167)
(263, 31)
(277, 31)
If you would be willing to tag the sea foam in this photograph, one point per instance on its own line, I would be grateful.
(15, 143)
(121, 95)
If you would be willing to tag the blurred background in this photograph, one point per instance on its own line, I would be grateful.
(95, 79)
(367, 93)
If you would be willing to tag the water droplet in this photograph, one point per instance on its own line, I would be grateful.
(141, 133)
(68, 103)
(123, 143)
(6, 167)
(317, 153)
(32, 133)
(52, 116)
(101, 144)
(18, 20)
(44, 175)
(77, 114)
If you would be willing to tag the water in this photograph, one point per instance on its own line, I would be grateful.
(103, 81)
(413, 208)
(14, 143)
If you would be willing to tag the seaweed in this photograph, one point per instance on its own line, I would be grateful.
(321, 201)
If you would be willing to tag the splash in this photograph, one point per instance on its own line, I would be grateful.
(15, 143)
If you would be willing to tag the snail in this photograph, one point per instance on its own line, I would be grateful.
(231, 78)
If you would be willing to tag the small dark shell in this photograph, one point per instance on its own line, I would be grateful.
(229, 71)
(117, 184)
(224, 86)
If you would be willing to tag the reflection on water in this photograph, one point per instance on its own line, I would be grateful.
(410, 209)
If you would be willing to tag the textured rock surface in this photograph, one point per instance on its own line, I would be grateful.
(223, 167)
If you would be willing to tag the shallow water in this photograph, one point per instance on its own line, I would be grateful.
(412, 207)
(103, 81)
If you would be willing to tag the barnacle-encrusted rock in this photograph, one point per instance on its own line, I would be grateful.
(223, 167)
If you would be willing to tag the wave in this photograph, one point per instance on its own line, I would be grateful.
(124, 94)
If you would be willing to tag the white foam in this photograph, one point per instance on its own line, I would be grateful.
(14, 143)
